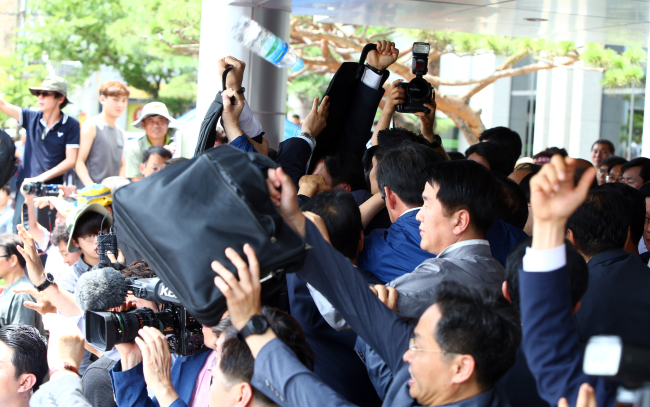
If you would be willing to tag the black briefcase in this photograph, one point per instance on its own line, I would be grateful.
(184, 217)
(341, 91)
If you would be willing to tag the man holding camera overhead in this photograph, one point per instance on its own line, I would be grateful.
(52, 137)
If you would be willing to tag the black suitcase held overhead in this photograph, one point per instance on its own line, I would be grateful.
(184, 217)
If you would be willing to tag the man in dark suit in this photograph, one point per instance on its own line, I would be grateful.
(617, 301)
(337, 364)
(550, 336)
(519, 384)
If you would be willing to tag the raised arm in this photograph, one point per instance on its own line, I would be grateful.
(10, 110)
(276, 366)
(550, 336)
(61, 299)
(394, 97)
(334, 276)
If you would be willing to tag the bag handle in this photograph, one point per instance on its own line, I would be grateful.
(364, 53)
(223, 76)
(261, 160)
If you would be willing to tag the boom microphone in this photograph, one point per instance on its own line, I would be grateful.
(101, 289)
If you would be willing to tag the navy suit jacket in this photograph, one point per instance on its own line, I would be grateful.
(293, 157)
(617, 301)
(551, 340)
(337, 364)
(131, 390)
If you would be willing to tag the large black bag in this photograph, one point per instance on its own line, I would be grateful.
(184, 217)
(7, 158)
(341, 93)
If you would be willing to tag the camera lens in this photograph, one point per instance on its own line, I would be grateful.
(132, 321)
(418, 90)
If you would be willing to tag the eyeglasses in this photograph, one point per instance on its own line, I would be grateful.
(44, 94)
(414, 348)
(647, 219)
(9, 255)
(611, 178)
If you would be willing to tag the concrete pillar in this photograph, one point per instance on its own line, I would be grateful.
(645, 145)
(266, 85)
(586, 112)
(560, 108)
(542, 111)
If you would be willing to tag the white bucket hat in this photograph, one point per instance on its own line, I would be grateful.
(154, 109)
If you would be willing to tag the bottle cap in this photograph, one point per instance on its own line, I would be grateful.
(298, 65)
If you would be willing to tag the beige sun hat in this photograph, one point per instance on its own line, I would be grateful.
(53, 84)
(154, 109)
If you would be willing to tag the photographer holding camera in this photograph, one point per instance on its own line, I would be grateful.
(416, 96)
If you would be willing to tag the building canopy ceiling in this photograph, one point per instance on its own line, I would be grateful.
(615, 22)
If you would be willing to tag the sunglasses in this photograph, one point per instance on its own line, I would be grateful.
(44, 94)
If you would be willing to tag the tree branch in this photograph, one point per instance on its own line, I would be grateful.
(539, 66)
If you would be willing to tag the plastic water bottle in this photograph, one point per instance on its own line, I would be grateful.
(266, 44)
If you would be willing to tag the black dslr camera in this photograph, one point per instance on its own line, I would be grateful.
(106, 329)
(418, 90)
(38, 188)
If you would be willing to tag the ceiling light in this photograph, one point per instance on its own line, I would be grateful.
(536, 20)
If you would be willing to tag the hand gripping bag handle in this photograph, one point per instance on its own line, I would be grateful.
(208, 132)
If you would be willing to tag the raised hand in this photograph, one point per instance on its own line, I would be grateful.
(157, 364)
(395, 96)
(282, 192)
(553, 195)
(316, 120)
(35, 269)
(384, 56)
(244, 296)
(554, 198)
(310, 185)
(427, 120)
(66, 343)
(387, 295)
(586, 397)
(42, 305)
(235, 77)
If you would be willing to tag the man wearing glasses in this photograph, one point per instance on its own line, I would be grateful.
(52, 136)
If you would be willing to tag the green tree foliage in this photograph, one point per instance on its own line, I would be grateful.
(15, 80)
(152, 43)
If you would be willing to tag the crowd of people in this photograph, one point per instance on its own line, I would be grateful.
(432, 278)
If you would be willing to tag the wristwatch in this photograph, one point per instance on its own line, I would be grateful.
(375, 70)
(256, 326)
(437, 141)
(64, 366)
(49, 279)
(308, 137)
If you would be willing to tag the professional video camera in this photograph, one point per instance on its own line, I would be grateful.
(38, 188)
(418, 90)
(106, 329)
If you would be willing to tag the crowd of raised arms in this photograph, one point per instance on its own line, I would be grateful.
(431, 278)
